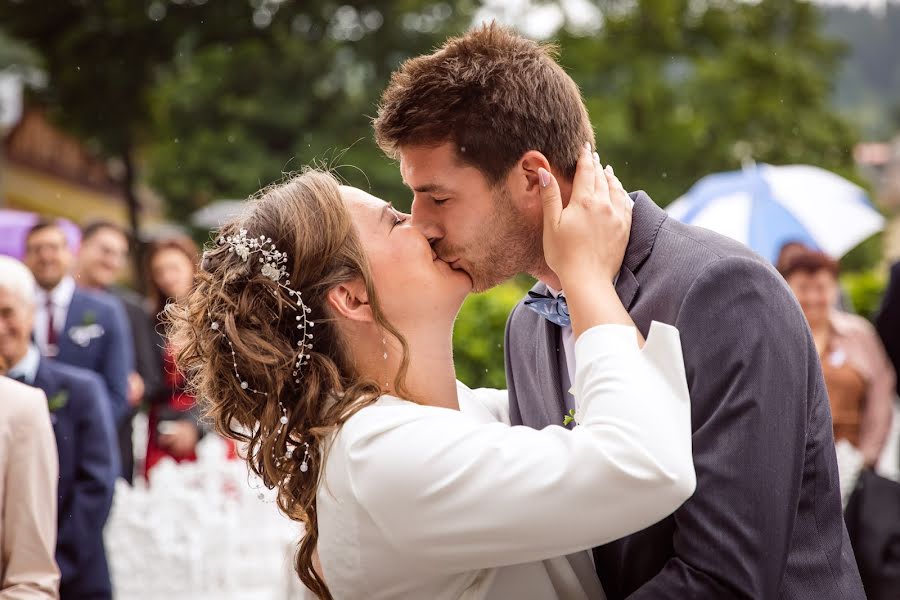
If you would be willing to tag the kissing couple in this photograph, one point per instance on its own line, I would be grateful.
(318, 332)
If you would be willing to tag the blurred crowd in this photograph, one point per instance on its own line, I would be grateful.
(97, 355)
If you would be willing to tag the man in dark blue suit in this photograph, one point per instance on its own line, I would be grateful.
(85, 439)
(74, 326)
(101, 259)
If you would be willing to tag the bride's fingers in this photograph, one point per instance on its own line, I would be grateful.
(599, 175)
(616, 191)
(551, 199)
(601, 185)
(583, 182)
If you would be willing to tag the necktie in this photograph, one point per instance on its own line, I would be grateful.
(553, 309)
(51, 328)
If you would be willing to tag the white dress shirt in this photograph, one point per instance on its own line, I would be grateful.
(61, 297)
(426, 502)
(26, 369)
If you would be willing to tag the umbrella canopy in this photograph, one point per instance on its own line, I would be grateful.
(766, 207)
(14, 226)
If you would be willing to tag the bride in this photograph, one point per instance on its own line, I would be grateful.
(318, 331)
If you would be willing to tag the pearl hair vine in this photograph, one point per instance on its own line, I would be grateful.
(274, 266)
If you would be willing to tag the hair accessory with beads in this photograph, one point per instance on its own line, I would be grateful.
(274, 266)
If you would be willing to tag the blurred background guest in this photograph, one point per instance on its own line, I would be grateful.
(887, 323)
(78, 327)
(102, 258)
(858, 374)
(28, 471)
(85, 439)
(174, 418)
(792, 249)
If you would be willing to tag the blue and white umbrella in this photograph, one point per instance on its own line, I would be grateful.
(766, 207)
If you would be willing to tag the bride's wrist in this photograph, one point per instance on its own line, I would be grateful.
(593, 303)
(591, 281)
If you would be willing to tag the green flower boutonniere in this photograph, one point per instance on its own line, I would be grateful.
(58, 400)
(569, 418)
(89, 318)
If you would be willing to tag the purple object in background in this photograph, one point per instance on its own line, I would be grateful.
(14, 225)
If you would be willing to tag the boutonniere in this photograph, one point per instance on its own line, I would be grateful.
(58, 400)
(88, 318)
(569, 418)
(82, 335)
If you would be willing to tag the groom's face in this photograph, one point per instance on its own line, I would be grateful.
(473, 226)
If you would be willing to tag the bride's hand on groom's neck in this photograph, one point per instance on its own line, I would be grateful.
(584, 243)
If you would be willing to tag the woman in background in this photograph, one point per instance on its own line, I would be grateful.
(858, 375)
(173, 421)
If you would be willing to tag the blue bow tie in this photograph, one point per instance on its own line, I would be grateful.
(553, 309)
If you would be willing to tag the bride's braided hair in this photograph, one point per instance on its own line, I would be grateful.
(305, 218)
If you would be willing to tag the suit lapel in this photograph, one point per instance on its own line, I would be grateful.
(646, 220)
(73, 316)
(75, 309)
(43, 378)
(46, 380)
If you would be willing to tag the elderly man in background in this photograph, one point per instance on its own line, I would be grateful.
(85, 439)
(28, 472)
(101, 260)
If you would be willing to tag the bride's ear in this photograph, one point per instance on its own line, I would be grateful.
(351, 301)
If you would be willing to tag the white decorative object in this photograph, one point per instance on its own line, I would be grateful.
(83, 335)
(199, 532)
(850, 463)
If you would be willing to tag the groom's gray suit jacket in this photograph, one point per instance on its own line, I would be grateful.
(765, 522)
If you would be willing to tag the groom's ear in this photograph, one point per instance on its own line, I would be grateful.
(351, 301)
(529, 164)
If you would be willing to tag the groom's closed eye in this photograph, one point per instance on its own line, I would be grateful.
(439, 201)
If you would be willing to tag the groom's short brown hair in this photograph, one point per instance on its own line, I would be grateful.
(495, 95)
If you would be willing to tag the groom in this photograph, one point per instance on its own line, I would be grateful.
(471, 125)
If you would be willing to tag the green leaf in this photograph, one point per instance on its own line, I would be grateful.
(58, 400)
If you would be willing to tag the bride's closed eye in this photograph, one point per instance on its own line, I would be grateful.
(399, 219)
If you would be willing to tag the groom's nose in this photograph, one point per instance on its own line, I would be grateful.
(425, 221)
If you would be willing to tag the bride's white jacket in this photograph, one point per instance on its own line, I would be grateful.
(421, 502)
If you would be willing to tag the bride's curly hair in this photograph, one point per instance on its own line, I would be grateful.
(306, 218)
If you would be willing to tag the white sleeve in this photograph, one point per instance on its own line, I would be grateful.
(462, 495)
(495, 401)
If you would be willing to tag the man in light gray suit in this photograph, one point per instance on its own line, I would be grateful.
(471, 125)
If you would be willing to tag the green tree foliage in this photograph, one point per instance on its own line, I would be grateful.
(478, 334)
(15, 54)
(868, 90)
(231, 117)
(678, 89)
(102, 59)
(865, 290)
